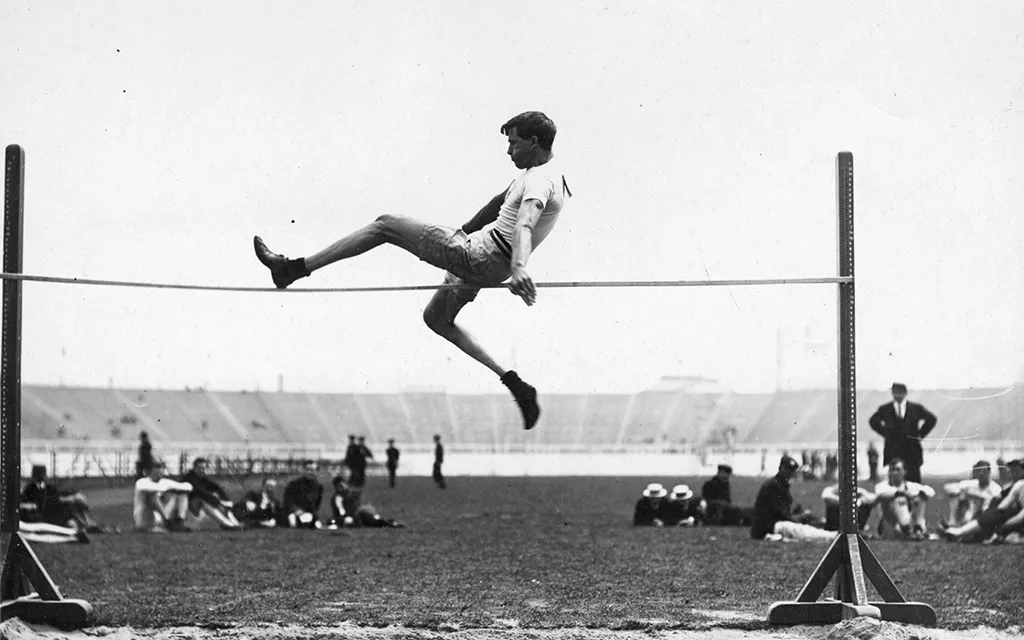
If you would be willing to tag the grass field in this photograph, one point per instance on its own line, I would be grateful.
(543, 552)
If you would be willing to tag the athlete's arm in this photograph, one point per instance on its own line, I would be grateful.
(521, 283)
(486, 215)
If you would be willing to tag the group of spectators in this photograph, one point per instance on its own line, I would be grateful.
(658, 507)
(978, 509)
(163, 504)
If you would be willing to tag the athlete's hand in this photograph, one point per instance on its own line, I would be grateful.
(522, 285)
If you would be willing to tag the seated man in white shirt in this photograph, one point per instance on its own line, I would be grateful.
(903, 505)
(1003, 517)
(161, 503)
(865, 504)
(967, 498)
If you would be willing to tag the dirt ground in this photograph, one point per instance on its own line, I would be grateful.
(860, 629)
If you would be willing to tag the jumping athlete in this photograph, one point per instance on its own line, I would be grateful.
(494, 246)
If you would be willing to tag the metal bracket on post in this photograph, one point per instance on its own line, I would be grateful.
(22, 571)
(848, 558)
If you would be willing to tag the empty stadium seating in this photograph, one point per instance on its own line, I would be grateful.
(656, 417)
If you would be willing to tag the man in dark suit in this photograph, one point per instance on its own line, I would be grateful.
(355, 460)
(392, 462)
(438, 461)
(904, 425)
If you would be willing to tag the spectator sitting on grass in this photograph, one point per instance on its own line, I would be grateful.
(1003, 518)
(717, 495)
(649, 511)
(42, 502)
(967, 498)
(773, 510)
(344, 504)
(260, 509)
(681, 509)
(161, 503)
(302, 498)
(865, 505)
(904, 505)
(209, 498)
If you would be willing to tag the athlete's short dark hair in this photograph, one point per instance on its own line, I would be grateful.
(533, 123)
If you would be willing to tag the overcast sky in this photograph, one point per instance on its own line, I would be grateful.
(699, 139)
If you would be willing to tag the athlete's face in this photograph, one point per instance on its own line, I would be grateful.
(983, 474)
(520, 150)
(896, 474)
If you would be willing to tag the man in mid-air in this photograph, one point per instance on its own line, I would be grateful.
(494, 246)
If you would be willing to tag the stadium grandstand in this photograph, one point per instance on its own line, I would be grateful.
(69, 427)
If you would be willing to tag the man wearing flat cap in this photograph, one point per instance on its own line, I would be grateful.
(773, 510)
(903, 425)
(717, 495)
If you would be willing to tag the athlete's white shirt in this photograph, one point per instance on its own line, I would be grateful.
(911, 490)
(544, 183)
(970, 489)
(146, 487)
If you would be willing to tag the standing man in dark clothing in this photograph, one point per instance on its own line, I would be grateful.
(392, 462)
(302, 498)
(717, 494)
(367, 454)
(145, 461)
(438, 461)
(773, 509)
(355, 460)
(904, 425)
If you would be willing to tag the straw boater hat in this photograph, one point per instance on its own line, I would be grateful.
(681, 492)
(655, 490)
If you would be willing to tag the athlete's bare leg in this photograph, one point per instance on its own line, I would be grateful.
(386, 229)
(440, 317)
(396, 230)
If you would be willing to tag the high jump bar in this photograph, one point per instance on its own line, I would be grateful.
(595, 284)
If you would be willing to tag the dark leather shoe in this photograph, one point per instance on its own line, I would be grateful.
(282, 270)
(526, 398)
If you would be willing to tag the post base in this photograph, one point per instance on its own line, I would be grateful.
(63, 614)
(833, 612)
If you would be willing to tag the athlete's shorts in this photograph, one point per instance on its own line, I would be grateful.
(476, 258)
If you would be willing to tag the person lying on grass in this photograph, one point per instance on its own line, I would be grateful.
(682, 509)
(649, 510)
